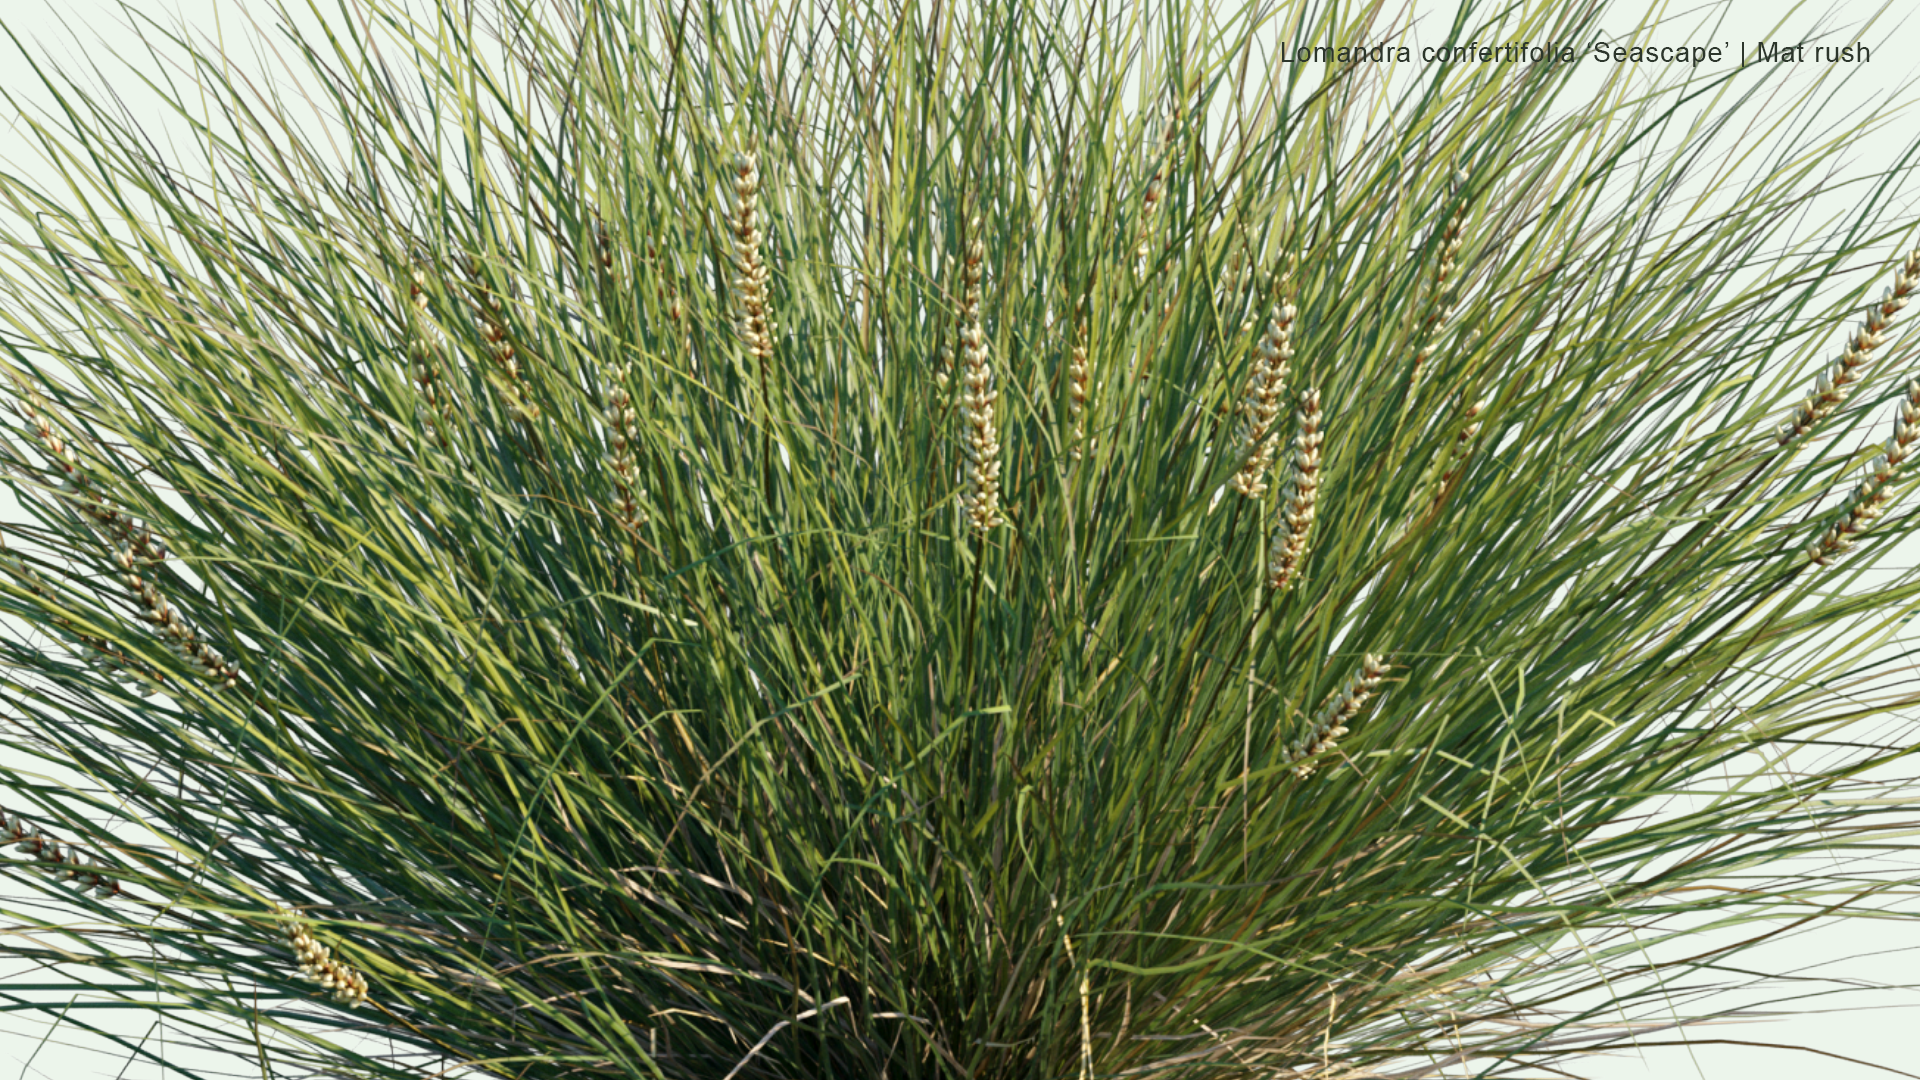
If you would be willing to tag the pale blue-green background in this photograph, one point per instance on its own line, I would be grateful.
(1879, 1026)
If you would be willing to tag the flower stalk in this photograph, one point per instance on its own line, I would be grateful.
(1871, 497)
(109, 659)
(317, 963)
(1442, 306)
(17, 832)
(1156, 194)
(978, 395)
(1340, 710)
(621, 419)
(1233, 285)
(1086, 1030)
(493, 330)
(1079, 386)
(1832, 386)
(1260, 405)
(1290, 540)
(421, 347)
(751, 271)
(1462, 445)
(134, 547)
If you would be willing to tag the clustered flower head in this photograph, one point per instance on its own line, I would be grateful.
(1261, 404)
(1456, 454)
(663, 290)
(317, 963)
(1156, 192)
(179, 636)
(752, 272)
(493, 329)
(1233, 287)
(1078, 383)
(420, 350)
(1443, 306)
(106, 657)
(136, 547)
(1831, 387)
(17, 832)
(1339, 711)
(1870, 498)
(621, 418)
(976, 402)
(1289, 548)
(972, 272)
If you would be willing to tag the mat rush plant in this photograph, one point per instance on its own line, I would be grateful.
(691, 544)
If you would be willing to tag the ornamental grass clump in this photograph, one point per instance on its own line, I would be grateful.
(610, 701)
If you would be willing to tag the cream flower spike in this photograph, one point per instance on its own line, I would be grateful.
(349, 987)
(1297, 505)
(977, 399)
(1334, 717)
(1831, 387)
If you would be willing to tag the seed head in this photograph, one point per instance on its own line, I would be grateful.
(1261, 403)
(1832, 386)
(1871, 497)
(317, 963)
(752, 273)
(178, 636)
(1078, 386)
(622, 435)
(1289, 548)
(982, 440)
(1334, 717)
(24, 838)
(135, 547)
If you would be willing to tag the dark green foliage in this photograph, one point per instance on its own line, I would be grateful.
(798, 775)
